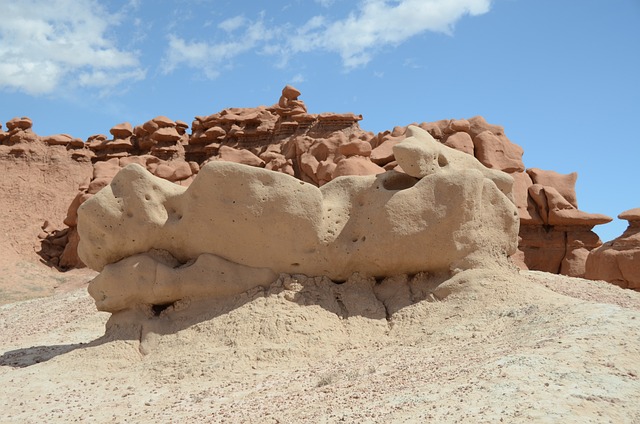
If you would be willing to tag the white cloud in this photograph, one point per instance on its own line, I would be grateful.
(232, 24)
(107, 81)
(356, 38)
(380, 23)
(325, 3)
(47, 44)
(297, 79)
(412, 63)
(210, 58)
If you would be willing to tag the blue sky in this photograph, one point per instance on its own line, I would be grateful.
(562, 77)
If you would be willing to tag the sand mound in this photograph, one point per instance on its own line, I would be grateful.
(479, 347)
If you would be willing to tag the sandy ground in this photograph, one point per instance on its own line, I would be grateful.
(488, 347)
(485, 346)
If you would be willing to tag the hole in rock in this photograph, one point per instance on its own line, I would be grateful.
(295, 264)
(398, 181)
(157, 309)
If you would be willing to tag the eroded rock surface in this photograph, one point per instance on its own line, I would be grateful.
(618, 261)
(448, 215)
(555, 235)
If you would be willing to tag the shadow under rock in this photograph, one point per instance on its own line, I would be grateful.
(359, 296)
(26, 357)
(365, 297)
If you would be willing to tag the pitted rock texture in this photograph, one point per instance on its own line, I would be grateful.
(446, 216)
(317, 148)
(618, 261)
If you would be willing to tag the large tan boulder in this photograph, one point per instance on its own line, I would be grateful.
(421, 155)
(618, 261)
(454, 218)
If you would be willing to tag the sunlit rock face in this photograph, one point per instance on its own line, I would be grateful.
(618, 261)
(316, 148)
(238, 226)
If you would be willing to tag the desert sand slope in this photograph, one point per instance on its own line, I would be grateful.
(488, 346)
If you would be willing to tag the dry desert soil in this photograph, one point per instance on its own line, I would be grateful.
(485, 346)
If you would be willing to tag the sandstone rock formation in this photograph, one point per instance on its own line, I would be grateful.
(40, 177)
(317, 148)
(618, 261)
(448, 213)
(554, 236)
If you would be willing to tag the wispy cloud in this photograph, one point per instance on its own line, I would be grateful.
(356, 38)
(412, 63)
(380, 23)
(232, 24)
(325, 3)
(47, 44)
(212, 57)
(298, 78)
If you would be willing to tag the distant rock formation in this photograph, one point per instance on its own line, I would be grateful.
(316, 148)
(618, 261)
(156, 242)
(554, 235)
(40, 177)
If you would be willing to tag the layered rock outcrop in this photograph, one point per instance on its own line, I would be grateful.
(39, 179)
(317, 148)
(618, 261)
(156, 242)
(554, 235)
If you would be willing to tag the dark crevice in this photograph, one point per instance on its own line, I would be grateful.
(157, 309)
(344, 313)
(566, 251)
(140, 337)
(387, 314)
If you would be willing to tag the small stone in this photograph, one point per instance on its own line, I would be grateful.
(23, 123)
(355, 148)
(166, 134)
(164, 122)
(123, 130)
(290, 93)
